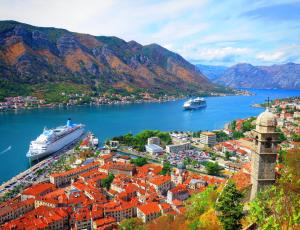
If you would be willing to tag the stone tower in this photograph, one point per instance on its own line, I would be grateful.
(265, 152)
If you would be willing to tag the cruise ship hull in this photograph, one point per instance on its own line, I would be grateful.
(192, 107)
(35, 154)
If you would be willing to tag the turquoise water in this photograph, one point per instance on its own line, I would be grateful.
(18, 128)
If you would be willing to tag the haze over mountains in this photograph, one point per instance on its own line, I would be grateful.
(285, 76)
(35, 55)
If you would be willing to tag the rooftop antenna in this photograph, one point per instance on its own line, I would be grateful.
(268, 103)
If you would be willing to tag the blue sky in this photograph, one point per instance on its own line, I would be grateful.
(212, 32)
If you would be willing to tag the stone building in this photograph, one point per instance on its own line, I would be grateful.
(265, 152)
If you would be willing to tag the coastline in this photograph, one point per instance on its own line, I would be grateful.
(107, 101)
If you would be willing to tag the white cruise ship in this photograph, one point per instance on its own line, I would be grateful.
(52, 140)
(196, 103)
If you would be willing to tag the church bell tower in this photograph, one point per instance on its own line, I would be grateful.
(264, 156)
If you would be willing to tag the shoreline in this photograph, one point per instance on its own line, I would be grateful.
(118, 102)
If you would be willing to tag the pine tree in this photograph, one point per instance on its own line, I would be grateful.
(230, 208)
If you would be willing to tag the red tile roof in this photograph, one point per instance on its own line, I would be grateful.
(242, 178)
(149, 208)
(75, 171)
(38, 189)
(104, 221)
(38, 218)
(160, 180)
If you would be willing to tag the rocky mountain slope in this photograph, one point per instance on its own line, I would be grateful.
(286, 76)
(32, 55)
(211, 71)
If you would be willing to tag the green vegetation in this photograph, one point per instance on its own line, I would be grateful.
(62, 92)
(282, 137)
(197, 134)
(222, 136)
(296, 137)
(140, 140)
(131, 224)
(230, 208)
(166, 168)
(200, 212)
(237, 135)
(10, 194)
(213, 168)
(228, 155)
(10, 89)
(248, 124)
(201, 202)
(278, 206)
(140, 161)
(233, 125)
(105, 183)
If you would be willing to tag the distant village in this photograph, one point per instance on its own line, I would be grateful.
(93, 187)
(73, 99)
(29, 102)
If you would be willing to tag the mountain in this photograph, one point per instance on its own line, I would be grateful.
(211, 71)
(36, 56)
(285, 76)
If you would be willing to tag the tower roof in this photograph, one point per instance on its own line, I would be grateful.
(266, 118)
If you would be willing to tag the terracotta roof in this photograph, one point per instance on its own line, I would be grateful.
(14, 206)
(37, 189)
(149, 208)
(75, 171)
(38, 218)
(242, 178)
(208, 134)
(104, 221)
(179, 188)
(159, 180)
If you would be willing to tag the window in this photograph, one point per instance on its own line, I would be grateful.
(268, 143)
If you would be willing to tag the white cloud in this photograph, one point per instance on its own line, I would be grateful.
(205, 30)
(289, 53)
(227, 55)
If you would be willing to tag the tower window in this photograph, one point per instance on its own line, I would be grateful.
(256, 140)
(268, 143)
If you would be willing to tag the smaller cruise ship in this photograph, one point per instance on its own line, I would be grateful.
(195, 103)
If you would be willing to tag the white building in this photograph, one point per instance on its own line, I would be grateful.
(154, 140)
(153, 149)
(177, 148)
(208, 138)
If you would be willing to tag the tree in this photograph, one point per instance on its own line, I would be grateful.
(213, 168)
(106, 182)
(247, 125)
(199, 203)
(187, 161)
(140, 161)
(131, 224)
(166, 168)
(221, 136)
(237, 135)
(296, 137)
(233, 125)
(281, 137)
(230, 208)
(278, 206)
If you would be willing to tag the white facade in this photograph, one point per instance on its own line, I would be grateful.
(177, 148)
(154, 140)
(208, 138)
(153, 149)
